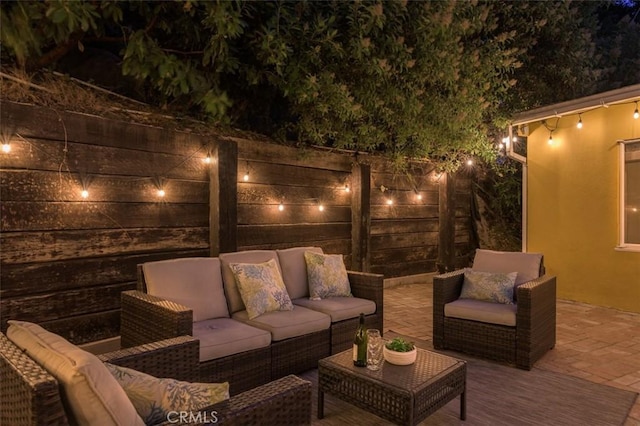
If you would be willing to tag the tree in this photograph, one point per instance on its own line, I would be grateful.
(435, 80)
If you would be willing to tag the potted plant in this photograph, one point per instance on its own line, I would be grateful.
(399, 352)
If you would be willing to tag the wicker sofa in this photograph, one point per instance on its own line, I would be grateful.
(29, 395)
(519, 333)
(295, 340)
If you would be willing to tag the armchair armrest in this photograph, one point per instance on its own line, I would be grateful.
(28, 393)
(177, 358)
(145, 319)
(286, 401)
(535, 319)
(446, 289)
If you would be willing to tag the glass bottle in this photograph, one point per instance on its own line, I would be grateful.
(360, 344)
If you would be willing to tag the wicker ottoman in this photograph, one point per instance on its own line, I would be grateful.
(405, 395)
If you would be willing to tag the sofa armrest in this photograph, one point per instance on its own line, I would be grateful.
(366, 285)
(535, 319)
(177, 358)
(446, 289)
(145, 319)
(286, 401)
(28, 393)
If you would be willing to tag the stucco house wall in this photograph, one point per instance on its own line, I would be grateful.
(572, 205)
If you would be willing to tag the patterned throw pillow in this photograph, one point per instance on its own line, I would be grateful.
(488, 286)
(327, 275)
(154, 399)
(261, 287)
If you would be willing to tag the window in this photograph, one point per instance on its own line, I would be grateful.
(630, 195)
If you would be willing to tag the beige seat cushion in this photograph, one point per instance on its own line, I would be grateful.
(91, 394)
(286, 324)
(477, 310)
(222, 337)
(234, 300)
(195, 282)
(339, 308)
(294, 270)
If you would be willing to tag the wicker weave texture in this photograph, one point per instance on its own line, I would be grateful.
(28, 393)
(243, 371)
(405, 395)
(522, 345)
(299, 354)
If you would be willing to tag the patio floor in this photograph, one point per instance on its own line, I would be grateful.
(594, 343)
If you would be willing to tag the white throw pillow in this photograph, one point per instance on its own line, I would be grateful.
(91, 393)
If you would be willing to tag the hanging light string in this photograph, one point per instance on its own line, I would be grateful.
(63, 167)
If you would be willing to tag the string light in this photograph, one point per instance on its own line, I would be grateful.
(636, 114)
(246, 177)
(6, 147)
(161, 193)
(469, 162)
(207, 159)
(389, 201)
(84, 194)
(550, 141)
(346, 187)
(321, 207)
(579, 125)
(281, 207)
(419, 196)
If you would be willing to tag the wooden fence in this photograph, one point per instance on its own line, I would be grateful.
(64, 258)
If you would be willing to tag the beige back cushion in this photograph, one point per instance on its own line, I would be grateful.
(90, 392)
(234, 299)
(195, 282)
(527, 265)
(294, 270)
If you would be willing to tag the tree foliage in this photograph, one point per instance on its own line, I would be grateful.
(410, 79)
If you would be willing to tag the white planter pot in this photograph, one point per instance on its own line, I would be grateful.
(399, 358)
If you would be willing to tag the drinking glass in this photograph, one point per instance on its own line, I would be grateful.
(374, 349)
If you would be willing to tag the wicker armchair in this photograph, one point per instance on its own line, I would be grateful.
(29, 395)
(532, 336)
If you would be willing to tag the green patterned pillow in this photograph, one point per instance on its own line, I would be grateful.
(154, 399)
(327, 275)
(488, 286)
(261, 287)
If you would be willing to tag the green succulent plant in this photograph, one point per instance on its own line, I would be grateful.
(398, 344)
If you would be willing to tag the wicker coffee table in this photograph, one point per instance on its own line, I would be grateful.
(405, 395)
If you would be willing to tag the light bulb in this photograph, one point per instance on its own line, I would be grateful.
(579, 125)
(246, 177)
(389, 201)
(84, 193)
(207, 159)
(346, 188)
(469, 162)
(161, 193)
(550, 142)
(6, 148)
(321, 207)
(281, 207)
(419, 197)
(636, 114)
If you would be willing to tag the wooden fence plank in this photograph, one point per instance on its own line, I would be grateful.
(54, 216)
(28, 247)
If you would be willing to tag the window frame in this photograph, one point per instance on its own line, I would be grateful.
(622, 244)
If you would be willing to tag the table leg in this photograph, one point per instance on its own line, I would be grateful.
(463, 405)
(320, 404)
